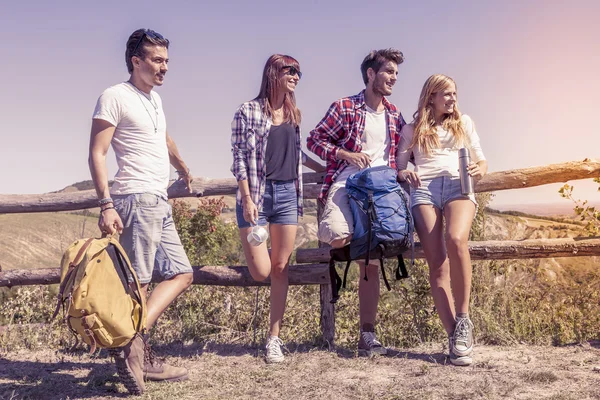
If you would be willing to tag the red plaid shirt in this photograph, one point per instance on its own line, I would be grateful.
(342, 127)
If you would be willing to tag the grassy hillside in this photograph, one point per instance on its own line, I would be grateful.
(38, 240)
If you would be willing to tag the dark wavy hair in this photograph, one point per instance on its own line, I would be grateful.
(270, 85)
(376, 58)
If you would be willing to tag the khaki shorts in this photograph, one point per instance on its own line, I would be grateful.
(337, 221)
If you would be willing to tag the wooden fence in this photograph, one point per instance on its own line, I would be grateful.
(312, 267)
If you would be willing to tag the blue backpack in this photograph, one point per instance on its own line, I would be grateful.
(382, 223)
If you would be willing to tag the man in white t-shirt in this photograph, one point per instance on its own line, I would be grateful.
(130, 116)
(358, 132)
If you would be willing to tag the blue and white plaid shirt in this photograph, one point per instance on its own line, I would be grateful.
(249, 134)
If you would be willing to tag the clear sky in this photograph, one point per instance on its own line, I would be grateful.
(527, 73)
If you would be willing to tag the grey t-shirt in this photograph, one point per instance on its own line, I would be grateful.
(282, 153)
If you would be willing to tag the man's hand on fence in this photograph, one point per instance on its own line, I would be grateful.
(187, 178)
(110, 222)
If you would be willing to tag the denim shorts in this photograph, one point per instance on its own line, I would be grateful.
(438, 192)
(280, 205)
(149, 236)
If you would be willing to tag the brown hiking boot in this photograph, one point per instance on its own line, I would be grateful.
(368, 345)
(130, 363)
(155, 369)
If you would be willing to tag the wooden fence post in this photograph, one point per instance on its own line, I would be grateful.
(326, 294)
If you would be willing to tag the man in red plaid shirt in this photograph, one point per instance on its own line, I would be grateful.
(358, 132)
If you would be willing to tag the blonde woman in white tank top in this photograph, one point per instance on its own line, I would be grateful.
(433, 138)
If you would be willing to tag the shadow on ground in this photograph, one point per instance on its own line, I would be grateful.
(96, 376)
(59, 380)
(236, 350)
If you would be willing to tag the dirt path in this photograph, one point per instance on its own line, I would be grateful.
(233, 372)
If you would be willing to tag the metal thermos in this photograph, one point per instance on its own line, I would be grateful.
(466, 180)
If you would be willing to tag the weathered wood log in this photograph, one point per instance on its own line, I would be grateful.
(503, 180)
(520, 178)
(313, 177)
(493, 250)
(325, 297)
(24, 203)
(536, 176)
(307, 274)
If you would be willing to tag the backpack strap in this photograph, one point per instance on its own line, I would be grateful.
(133, 284)
(346, 273)
(385, 280)
(370, 216)
(78, 258)
(336, 281)
(401, 272)
(87, 329)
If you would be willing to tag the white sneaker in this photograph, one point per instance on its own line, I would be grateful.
(462, 340)
(273, 350)
(461, 361)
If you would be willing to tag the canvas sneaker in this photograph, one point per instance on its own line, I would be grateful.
(461, 361)
(462, 340)
(273, 350)
(368, 345)
(130, 363)
(156, 369)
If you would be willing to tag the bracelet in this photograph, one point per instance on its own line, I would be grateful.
(105, 201)
(107, 208)
(183, 173)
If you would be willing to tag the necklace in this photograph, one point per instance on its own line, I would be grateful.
(151, 101)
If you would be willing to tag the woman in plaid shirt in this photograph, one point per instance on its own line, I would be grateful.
(267, 163)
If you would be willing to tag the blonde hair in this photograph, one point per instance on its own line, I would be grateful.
(425, 135)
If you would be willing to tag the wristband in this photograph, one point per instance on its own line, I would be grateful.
(105, 201)
(107, 208)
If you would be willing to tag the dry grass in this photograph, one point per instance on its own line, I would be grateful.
(39, 240)
(234, 372)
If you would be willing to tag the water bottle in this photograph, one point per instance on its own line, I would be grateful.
(257, 235)
(466, 180)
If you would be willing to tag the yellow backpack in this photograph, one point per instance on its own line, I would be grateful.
(98, 302)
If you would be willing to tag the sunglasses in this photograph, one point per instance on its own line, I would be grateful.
(293, 71)
(152, 35)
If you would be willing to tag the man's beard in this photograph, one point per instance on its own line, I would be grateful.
(380, 89)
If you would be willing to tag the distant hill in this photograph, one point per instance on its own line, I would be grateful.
(560, 208)
(77, 186)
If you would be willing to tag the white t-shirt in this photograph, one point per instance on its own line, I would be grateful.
(375, 142)
(442, 161)
(139, 141)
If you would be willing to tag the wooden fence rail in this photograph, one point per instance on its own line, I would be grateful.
(502, 180)
(312, 269)
(494, 250)
(306, 274)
